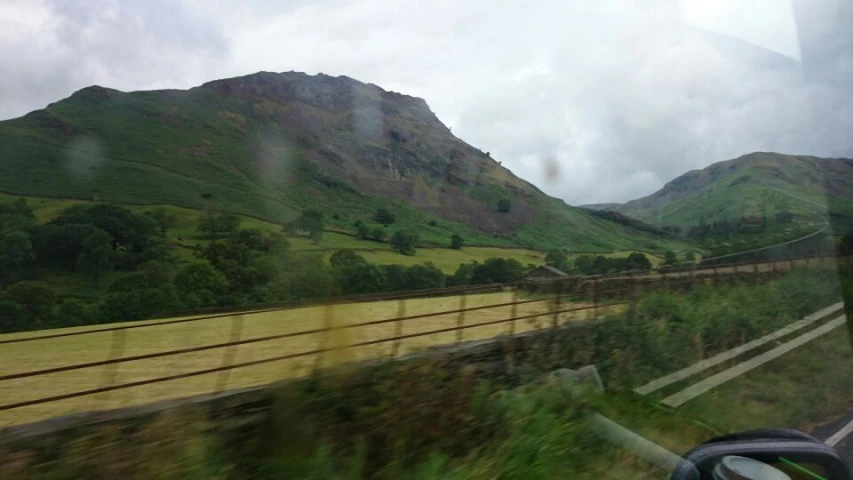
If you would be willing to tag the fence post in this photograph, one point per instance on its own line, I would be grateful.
(755, 272)
(790, 265)
(108, 378)
(513, 311)
(716, 276)
(557, 291)
(594, 299)
(230, 353)
(460, 319)
(398, 327)
(329, 319)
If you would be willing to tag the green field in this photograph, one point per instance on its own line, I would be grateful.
(95, 347)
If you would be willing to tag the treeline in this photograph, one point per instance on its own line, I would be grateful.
(598, 264)
(237, 267)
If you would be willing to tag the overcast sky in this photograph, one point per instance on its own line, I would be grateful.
(617, 96)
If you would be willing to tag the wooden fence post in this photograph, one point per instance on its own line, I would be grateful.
(398, 327)
(230, 353)
(108, 377)
(460, 319)
(513, 311)
(557, 291)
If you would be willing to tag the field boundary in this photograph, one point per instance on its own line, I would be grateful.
(567, 300)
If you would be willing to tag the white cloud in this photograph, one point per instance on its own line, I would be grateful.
(616, 96)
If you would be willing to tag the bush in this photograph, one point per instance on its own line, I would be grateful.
(504, 205)
(405, 242)
(456, 241)
(384, 216)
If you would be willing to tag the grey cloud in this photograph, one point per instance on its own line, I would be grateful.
(616, 96)
(131, 44)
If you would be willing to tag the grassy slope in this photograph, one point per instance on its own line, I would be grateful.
(169, 147)
(724, 190)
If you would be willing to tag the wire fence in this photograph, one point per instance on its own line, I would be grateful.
(39, 378)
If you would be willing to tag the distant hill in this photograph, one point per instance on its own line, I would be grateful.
(755, 185)
(272, 144)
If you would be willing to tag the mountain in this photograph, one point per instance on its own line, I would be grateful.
(272, 144)
(759, 183)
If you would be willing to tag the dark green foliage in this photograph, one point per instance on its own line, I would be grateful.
(384, 216)
(363, 231)
(405, 242)
(456, 241)
(557, 259)
(504, 205)
(16, 252)
(432, 223)
(638, 261)
(61, 245)
(310, 222)
(669, 258)
(201, 280)
(346, 258)
(497, 270)
(310, 277)
(463, 275)
(424, 276)
(97, 256)
(585, 264)
(361, 277)
(690, 256)
(378, 234)
(163, 219)
(213, 224)
(36, 302)
(73, 312)
(627, 221)
(126, 228)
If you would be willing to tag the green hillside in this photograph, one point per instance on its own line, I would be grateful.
(271, 145)
(789, 194)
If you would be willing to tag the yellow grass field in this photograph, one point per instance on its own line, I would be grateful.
(49, 353)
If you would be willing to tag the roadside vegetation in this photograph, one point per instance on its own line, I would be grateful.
(430, 420)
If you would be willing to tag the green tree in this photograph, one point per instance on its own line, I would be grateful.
(163, 219)
(312, 221)
(97, 256)
(310, 277)
(72, 312)
(359, 278)
(585, 264)
(504, 205)
(690, 256)
(227, 223)
(497, 270)
(36, 301)
(405, 242)
(377, 235)
(557, 259)
(346, 258)
(456, 241)
(384, 216)
(61, 244)
(638, 261)
(363, 231)
(199, 277)
(669, 258)
(463, 275)
(418, 277)
(207, 225)
(12, 318)
(16, 251)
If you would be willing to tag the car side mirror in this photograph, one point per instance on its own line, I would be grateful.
(766, 454)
